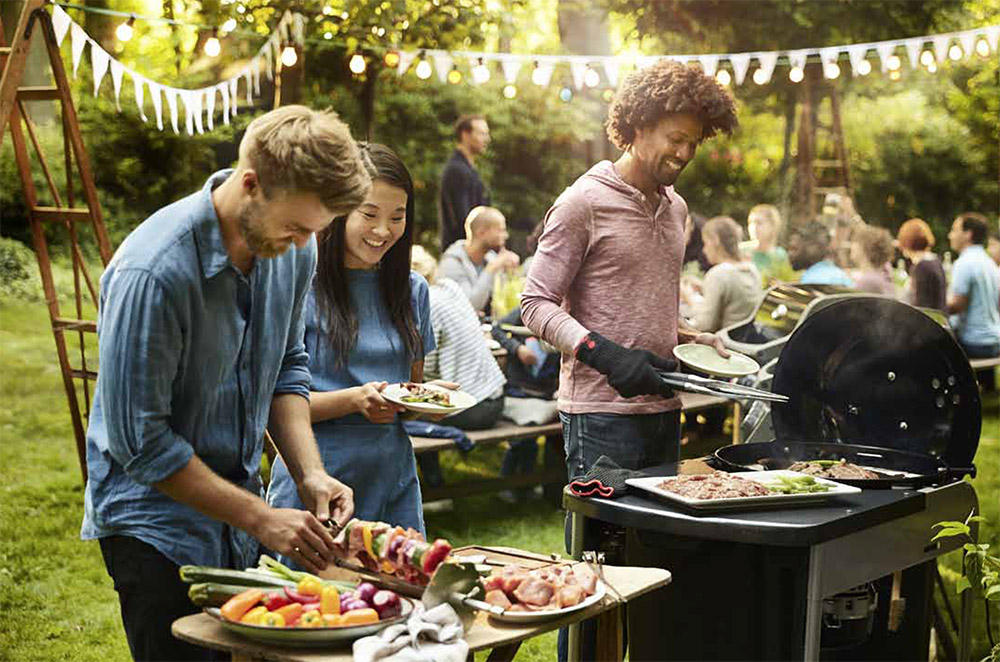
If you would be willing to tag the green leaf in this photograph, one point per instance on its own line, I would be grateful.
(978, 518)
(948, 533)
(962, 584)
(951, 524)
(993, 592)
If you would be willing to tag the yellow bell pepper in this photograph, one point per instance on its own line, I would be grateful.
(310, 619)
(253, 616)
(366, 535)
(310, 585)
(273, 619)
(329, 600)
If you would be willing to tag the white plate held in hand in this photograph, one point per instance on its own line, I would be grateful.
(705, 359)
(459, 399)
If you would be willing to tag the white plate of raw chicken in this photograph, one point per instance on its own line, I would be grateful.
(522, 613)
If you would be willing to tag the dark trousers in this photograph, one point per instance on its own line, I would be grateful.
(633, 442)
(152, 597)
(482, 416)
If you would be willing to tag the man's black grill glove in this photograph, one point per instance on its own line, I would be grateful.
(631, 372)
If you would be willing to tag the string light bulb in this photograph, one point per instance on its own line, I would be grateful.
(864, 67)
(796, 74)
(895, 75)
(723, 77)
(509, 91)
(591, 78)
(424, 69)
(608, 95)
(392, 59)
(926, 57)
(357, 64)
(982, 47)
(125, 30)
(454, 76)
(955, 52)
(288, 56)
(893, 63)
(759, 77)
(831, 70)
(212, 45)
(229, 25)
(480, 73)
(566, 94)
(932, 68)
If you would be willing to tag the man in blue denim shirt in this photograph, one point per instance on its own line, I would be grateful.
(974, 296)
(201, 347)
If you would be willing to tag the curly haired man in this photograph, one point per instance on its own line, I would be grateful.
(604, 283)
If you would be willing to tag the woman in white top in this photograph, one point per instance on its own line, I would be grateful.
(731, 288)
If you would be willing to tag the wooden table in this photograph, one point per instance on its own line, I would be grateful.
(503, 638)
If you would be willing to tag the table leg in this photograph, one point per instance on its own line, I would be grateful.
(553, 462)
(814, 606)
(610, 637)
(504, 653)
(965, 626)
(576, 524)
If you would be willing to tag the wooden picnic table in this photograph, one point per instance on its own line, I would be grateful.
(503, 639)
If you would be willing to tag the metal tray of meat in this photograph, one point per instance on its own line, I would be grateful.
(777, 500)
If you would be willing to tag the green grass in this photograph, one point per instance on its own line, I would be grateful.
(56, 598)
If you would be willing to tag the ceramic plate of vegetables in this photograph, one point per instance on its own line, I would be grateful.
(312, 614)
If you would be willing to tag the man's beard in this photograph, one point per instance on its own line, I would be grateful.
(252, 231)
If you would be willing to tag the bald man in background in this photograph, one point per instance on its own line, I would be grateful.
(475, 261)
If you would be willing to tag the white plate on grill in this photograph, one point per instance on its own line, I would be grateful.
(534, 616)
(652, 485)
(459, 399)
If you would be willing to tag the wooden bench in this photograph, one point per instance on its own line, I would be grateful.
(552, 477)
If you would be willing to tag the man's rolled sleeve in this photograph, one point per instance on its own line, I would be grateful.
(561, 251)
(294, 376)
(140, 329)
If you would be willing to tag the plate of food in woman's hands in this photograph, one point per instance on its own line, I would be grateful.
(428, 398)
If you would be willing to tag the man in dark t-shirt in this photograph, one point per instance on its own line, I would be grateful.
(461, 188)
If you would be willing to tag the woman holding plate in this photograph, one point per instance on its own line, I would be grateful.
(367, 325)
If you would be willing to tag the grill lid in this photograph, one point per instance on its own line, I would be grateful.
(874, 371)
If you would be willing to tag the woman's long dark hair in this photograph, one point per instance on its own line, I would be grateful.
(332, 295)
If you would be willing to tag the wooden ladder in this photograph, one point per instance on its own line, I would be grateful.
(63, 211)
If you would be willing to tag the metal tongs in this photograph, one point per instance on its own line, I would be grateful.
(695, 384)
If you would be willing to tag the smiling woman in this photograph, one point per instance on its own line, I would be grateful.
(367, 325)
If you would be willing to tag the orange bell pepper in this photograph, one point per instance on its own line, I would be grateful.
(360, 617)
(329, 600)
(241, 603)
(333, 620)
(290, 613)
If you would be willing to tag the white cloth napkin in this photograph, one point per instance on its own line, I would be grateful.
(434, 635)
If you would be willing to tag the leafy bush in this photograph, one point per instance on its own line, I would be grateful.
(18, 270)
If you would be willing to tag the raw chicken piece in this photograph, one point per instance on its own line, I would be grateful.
(498, 598)
(534, 591)
(567, 596)
(585, 577)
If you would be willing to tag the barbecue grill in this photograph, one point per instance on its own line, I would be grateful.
(869, 379)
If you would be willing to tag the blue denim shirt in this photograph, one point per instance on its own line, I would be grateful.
(975, 275)
(826, 272)
(191, 354)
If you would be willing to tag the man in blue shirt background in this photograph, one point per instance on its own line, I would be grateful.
(809, 249)
(201, 347)
(974, 295)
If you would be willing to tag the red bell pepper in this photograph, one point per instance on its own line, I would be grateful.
(276, 600)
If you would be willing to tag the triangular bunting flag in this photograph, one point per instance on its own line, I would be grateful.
(741, 63)
(798, 58)
(60, 23)
(268, 68)
(188, 98)
(510, 67)
(578, 67)
(828, 56)
(857, 53)
(137, 82)
(198, 98)
(968, 41)
(647, 61)
(884, 53)
(117, 71)
(99, 60)
(172, 105)
(442, 64)
(79, 40)
(299, 29)
(611, 71)
(156, 94)
(941, 47)
(248, 78)
(234, 94)
(256, 81)
(710, 63)
(541, 75)
(993, 36)
(767, 62)
(913, 48)
(224, 91)
(405, 60)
